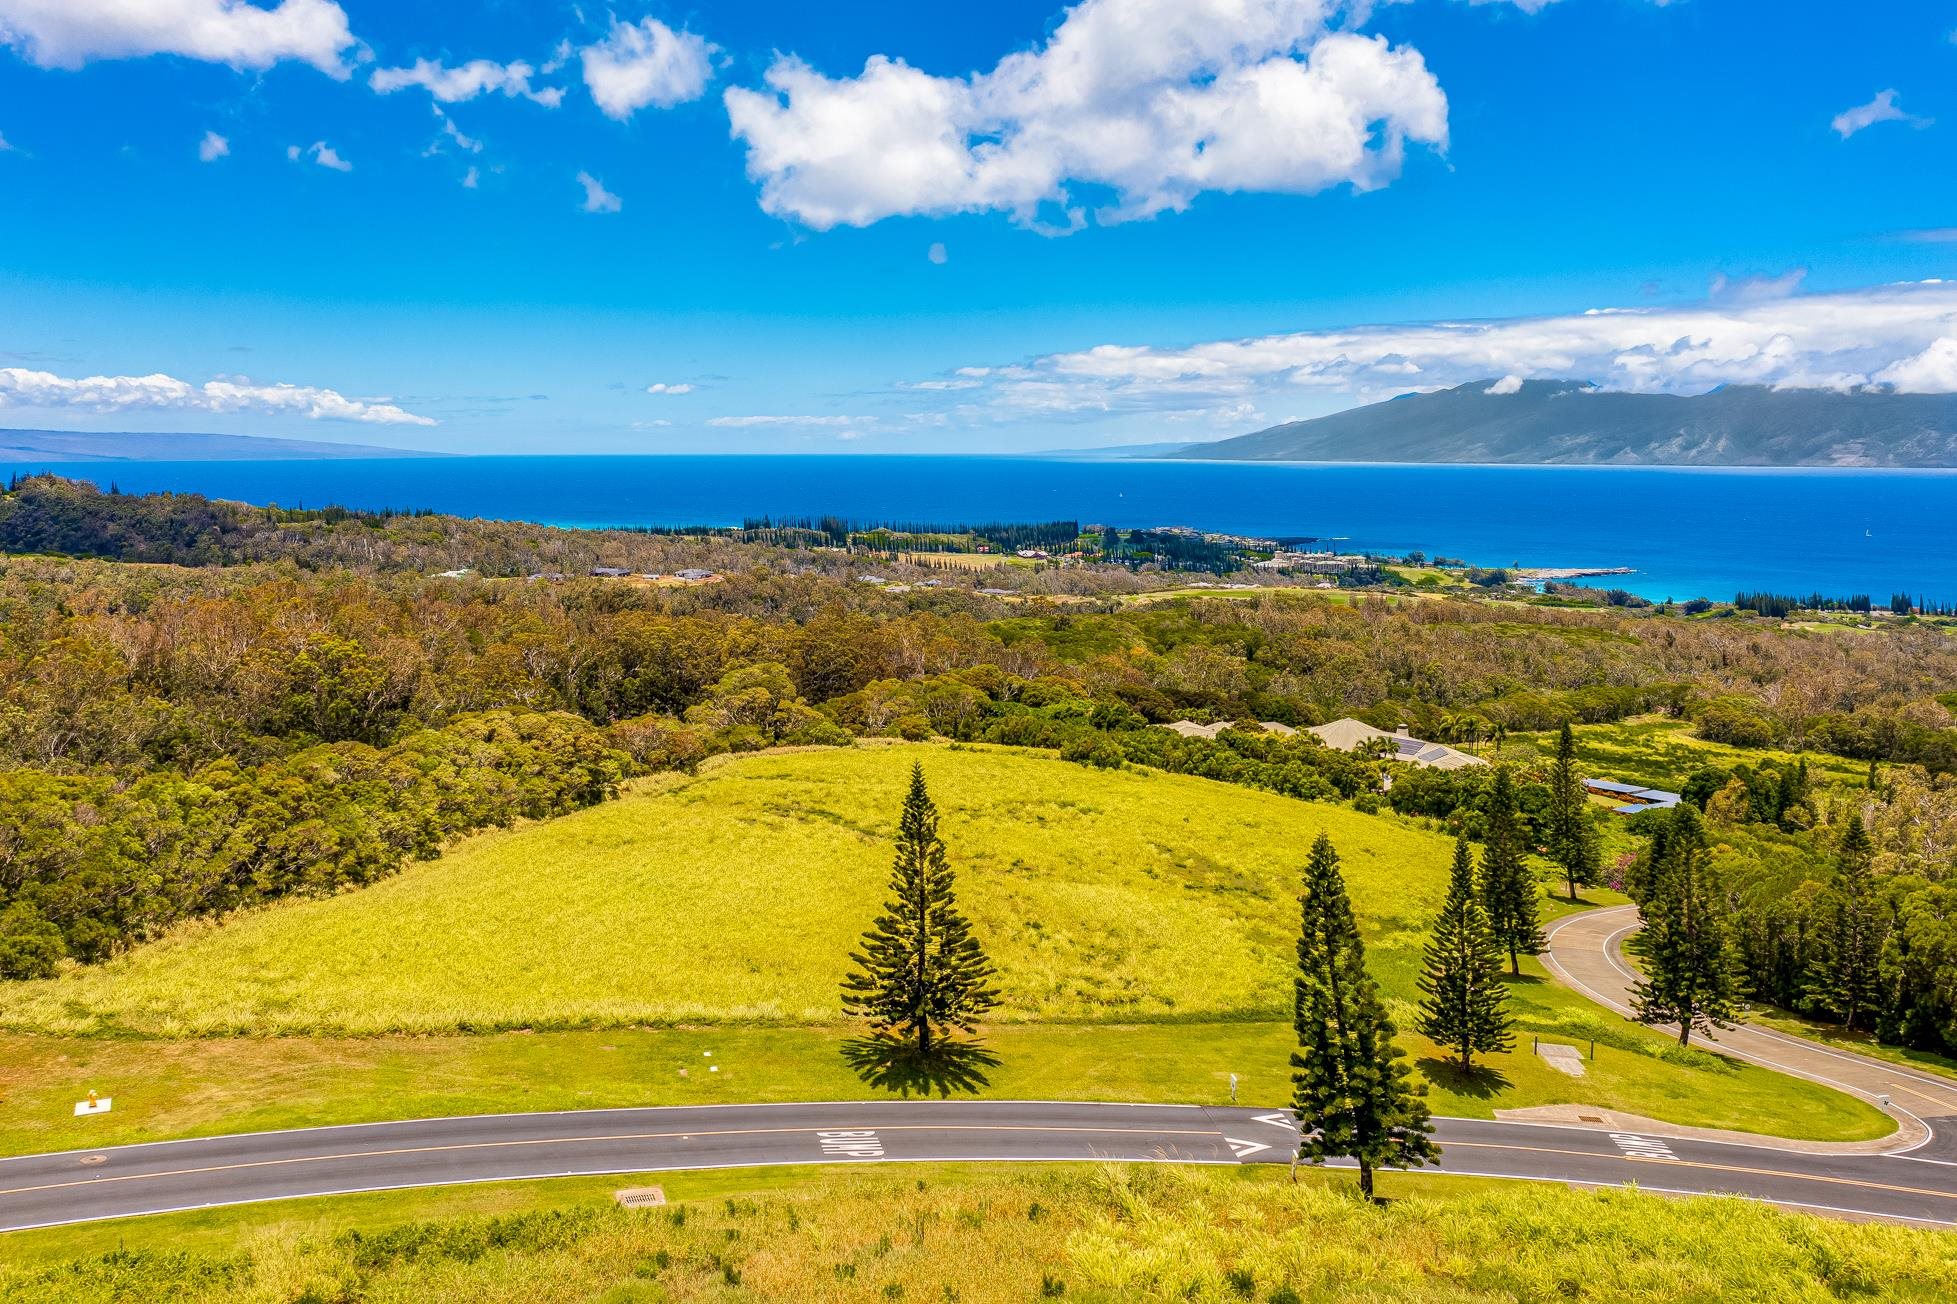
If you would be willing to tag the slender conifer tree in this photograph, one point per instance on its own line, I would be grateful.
(920, 969)
(1572, 839)
(1466, 1005)
(1350, 1085)
(1508, 889)
(1692, 974)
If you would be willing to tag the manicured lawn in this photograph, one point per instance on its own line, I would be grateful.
(980, 1236)
(186, 1088)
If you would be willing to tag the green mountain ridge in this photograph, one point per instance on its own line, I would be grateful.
(1566, 422)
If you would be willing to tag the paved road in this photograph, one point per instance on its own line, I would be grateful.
(1916, 1181)
(1585, 953)
(41, 1190)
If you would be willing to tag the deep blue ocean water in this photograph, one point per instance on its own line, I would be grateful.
(1687, 532)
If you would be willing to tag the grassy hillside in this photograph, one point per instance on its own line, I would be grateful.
(1143, 925)
(978, 1236)
(737, 895)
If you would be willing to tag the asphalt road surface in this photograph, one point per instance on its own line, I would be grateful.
(1916, 1181)
(1586, 953)
(77, 1186)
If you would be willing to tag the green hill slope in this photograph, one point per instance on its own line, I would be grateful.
(1143, 925)
(1565, 421)
(737, 895)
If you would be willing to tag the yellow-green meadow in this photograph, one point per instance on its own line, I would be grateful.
(736, 895)
(1143, 925)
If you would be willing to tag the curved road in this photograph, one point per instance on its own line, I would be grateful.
(76, 1186)
(1916, 1183)
(1586, 954)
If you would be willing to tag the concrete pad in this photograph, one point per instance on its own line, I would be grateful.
(1564, 1059)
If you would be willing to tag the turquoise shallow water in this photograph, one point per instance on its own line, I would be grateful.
(1687, 532)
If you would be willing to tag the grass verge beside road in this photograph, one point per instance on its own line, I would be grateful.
(1832, 1035)
(1095, 1233)
(164, 1090)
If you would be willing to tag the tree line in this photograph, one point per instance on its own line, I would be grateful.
(90, 863)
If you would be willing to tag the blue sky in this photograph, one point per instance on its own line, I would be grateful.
(894, 227)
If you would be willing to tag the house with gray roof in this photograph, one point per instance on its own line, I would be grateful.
(1350, 735)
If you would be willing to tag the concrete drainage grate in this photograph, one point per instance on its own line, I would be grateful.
(641, 1197)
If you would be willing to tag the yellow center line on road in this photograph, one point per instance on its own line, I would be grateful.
(1722, 1168)
(936, 1127)
(1940, 1101)
(612, 1136)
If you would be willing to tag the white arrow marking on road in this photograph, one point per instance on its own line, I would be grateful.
(1242, 1148)
(1284, 1121)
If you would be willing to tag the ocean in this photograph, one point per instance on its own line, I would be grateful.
(1685, 533)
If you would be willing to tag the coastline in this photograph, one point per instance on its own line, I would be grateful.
(1670, 532)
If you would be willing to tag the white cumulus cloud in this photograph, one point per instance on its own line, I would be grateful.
(661, 387)
(1155, 101)
(213, 147)
(464, 82)
(42, 389)
(321, 153)
(597, 199)
(643, 63)
(1933, 371)
(1883, 108)
(1506, 385)
(70, 33)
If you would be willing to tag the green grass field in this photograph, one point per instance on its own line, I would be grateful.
(984, 1235)
(1664, 753)
(1143, 925)
(176, 1088)
(736, 896)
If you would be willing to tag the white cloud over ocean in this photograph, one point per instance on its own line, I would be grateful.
(20, 387)
(1902, 335)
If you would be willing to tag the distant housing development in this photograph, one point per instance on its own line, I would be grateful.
(1190, 729)
(1634, 797)
(1348, 735)
(1314, 563)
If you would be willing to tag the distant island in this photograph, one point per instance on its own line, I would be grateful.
(1568, 422)
(37, 446)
